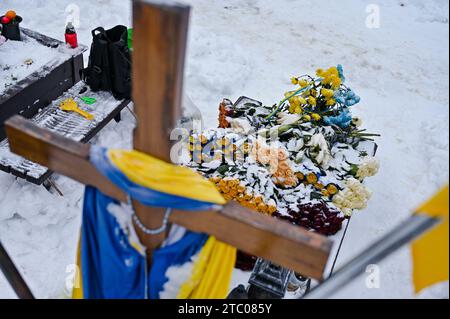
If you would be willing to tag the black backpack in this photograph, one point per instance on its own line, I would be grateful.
(109, 67)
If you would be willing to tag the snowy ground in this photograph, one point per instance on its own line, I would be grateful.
(252, 47)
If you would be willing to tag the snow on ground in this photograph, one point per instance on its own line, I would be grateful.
(252, 47)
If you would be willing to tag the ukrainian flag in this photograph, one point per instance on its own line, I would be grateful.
(112, 264)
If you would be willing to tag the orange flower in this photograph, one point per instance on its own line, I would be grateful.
(332, 189)
(311, 178)
(300, 176)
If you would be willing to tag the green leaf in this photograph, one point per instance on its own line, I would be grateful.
(316, 195)
(223, 169)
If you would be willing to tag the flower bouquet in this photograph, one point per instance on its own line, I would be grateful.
(303, 160)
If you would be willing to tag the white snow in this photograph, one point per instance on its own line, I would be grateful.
(252, 48)
(20, 59)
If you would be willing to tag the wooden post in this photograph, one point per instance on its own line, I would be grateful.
(160, 35)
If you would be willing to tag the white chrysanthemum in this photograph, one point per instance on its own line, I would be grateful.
(319, 150)
(354, 196)
(240, 126)
(288, 119)
(369, 167)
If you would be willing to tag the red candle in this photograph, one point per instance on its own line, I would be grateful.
(5, 20)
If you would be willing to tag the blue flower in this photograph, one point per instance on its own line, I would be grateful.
(343, 120)
(341, 72)
(347, 98)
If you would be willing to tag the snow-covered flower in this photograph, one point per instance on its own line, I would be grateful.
(2, 39)
(354, 196)
(239, 125)
(319, 150)
(357, 121)
(369, 167)
(288, 119)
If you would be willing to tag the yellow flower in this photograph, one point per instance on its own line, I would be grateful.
(311, 178)
(231, 183)
(303, 83)
(294, 101)
(319, 186)
(336, 82)
(298, 110)
(222, 184)
(332, 189)
(316, 116)
(292, 108)
(258, 199)
(294, 80)
(313, 92)
(241, 189)
(262, 207)
(320, 72)
(248, 196)
(215, 179)
(300, 176)
(331, 102)
(306, 118)
(312, 101)
(325, 193)
(301, 100)
(271, 209)
(327, 93)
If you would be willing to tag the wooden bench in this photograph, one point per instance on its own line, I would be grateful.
(38, 97)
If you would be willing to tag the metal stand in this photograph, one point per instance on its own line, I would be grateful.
(13, 276)
(399, 236)
(49, 183)
(268, 281)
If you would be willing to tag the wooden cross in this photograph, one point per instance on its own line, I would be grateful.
(160, 35)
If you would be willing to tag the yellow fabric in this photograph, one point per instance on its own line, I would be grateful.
(153, 173)
(77, 292)
(431, 251)
(211, 276)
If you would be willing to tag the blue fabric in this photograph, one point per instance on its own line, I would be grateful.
(146, 196)
(111, 267)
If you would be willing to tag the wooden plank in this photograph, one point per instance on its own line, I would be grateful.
(285, 244)
(159, 45)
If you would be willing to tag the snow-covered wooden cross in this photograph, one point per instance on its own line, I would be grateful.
(160, 35)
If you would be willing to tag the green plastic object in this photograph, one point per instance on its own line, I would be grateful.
(88, 100)
(130, 39)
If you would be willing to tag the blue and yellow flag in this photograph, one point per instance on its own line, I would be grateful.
(113, 263)
(431, 251)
